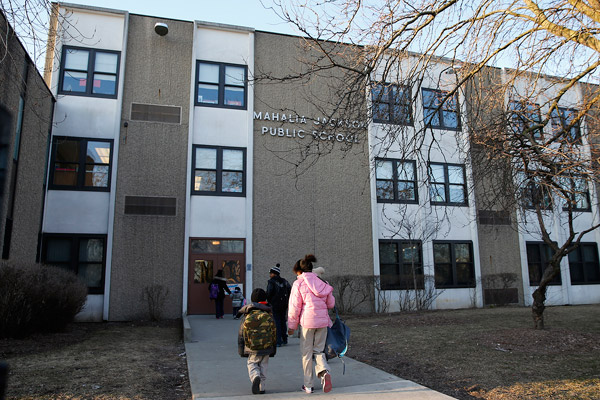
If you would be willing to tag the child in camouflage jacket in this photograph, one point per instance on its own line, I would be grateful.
(257, 338)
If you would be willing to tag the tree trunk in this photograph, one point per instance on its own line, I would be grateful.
(537, 309)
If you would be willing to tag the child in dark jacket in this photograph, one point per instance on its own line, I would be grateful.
(257, 338)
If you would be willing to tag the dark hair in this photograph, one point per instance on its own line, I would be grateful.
(306, 262)
(219, 273)
(258, 295)
(297, 268)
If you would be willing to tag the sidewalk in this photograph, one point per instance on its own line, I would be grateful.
(217, 371)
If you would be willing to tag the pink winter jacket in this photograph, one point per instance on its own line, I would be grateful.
(309, 301)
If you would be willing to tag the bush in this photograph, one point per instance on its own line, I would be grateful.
(38, 298)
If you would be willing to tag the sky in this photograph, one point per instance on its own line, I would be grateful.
(248, 13)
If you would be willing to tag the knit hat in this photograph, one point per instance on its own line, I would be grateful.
(275, 270)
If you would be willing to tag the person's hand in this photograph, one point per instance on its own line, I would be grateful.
(290, 332)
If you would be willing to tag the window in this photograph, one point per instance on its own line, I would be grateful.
(561, 119)
(583, 264)
(89, 72)
(396, 181)
(535, 194)
(219, 171)
(539, 255)
(579, 195)
(221, 85)
(392, 104)
(85, 255)
(453, 262)
(80, 164)
(400, 265)
(440, 113)
(447, 184)
(523, 116)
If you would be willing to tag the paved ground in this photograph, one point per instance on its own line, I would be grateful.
(218, 372)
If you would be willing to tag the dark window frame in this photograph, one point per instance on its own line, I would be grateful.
(219, 172)
(582, 266)
(520, 120)
(447, 185)
(80, 186)
(221, 85)
(90, 73)
(440, 109)
(400, 265)
(394, 102)
(543, 263)
(573, 194)
(453, 264)
(559, 122)
(395, 180)
(533, 194)
(74, 262)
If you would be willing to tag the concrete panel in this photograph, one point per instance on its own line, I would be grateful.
(316, 204)
(85, 117)
(221, 127)
(222, 45)
(149, 250)
(76, 212)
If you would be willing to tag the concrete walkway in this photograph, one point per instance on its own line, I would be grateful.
(217, 371)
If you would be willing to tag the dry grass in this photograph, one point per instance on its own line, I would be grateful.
(99, 361)
(487, 353)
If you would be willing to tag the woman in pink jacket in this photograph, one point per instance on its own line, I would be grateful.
(310, 300)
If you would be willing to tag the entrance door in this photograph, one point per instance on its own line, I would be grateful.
(204, 266)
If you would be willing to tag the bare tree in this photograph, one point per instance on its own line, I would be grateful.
(528, 151)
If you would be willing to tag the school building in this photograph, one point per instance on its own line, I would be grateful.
(173, 154)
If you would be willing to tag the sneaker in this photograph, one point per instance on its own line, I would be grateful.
(256, 385)
(307, 390)
(326, 381)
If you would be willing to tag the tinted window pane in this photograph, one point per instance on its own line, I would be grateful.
(98, 152)
(441, 253)
(457, 194)
(388, 253)
(436, 173)
(91, 250)
(389, 276)
(406, 171)
(205, 181)
(74, 81)
(104, 84)
(67, 150)
(381, 111)
(233, 159)
(437, 193)
(462, 251)
(234, 75)
(384, 170)
(232, 182)
(58, 250)
(77, 59)
(450, 119)
(406, 191)
(464, 274)
(208, 94)
(455, 174)
(106, 62)
(411, 253)
(589, 253)
(206, 158)
(443, 275)
(234, 96)
(91, 274)
(208, 73)
(96, 175)
(65, 174)
(385, 190)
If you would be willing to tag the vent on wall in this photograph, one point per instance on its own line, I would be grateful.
(155, 113)
(141, 205)
(488, 217)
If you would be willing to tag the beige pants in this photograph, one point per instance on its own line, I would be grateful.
(312, 345)
(257, 366)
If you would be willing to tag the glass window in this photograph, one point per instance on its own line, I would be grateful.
(439, 111)
(89, 72)
(525, 117)
(583, 264)
(539, 255)
(579, 195)
(80, 164)
(219, 171)
(447, 184)
(391, 104)
(221, 85)
(84, 255)
(400, 265)
(563, 120)
(396, 181)
(453, 263)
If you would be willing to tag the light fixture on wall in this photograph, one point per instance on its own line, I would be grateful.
(216, 242)
(161, 28)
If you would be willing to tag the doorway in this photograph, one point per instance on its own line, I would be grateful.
(207, 256)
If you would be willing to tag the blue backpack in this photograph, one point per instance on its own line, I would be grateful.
(213, 291)
(338, 336)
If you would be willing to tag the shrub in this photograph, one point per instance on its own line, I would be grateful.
(38, 298)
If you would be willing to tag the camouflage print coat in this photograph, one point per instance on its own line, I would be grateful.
(257, 334)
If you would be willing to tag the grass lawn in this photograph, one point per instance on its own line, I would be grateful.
(487, 353)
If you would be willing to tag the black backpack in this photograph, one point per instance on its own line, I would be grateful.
(282, 294)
